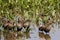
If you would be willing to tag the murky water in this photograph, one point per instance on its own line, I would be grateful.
(54, 34)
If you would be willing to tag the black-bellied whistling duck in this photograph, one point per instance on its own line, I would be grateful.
(19, 29)
(10, 25)
(48, 26)
(5, 23)
(41, 27)
(26, 24)
(19, 26)
(47, 29)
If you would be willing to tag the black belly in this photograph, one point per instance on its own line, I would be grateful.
(12, 28)
(41, 29)
(5, 27)
(24, 26)
(27, 29)
(47, 30)
(19, 29)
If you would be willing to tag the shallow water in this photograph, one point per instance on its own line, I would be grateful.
(41, 36)
(54, 34)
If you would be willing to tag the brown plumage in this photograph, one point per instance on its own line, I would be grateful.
(26, 23)
(19, 26)
(41, 27)
(48, 26)
(10, 25)
(47, 29)
(5, 24)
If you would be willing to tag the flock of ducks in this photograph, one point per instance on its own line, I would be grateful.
(20, 25)
(10, 25)
(26, 24)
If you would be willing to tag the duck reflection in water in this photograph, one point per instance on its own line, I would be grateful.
(44, 36)
(47, 37)
(41, 36)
